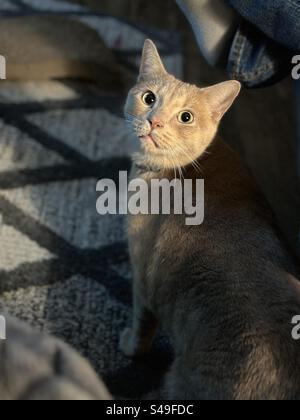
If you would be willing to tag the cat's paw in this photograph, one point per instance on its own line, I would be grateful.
(129, 343)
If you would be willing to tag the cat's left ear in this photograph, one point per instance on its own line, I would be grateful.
(151, 62)
(220, 97)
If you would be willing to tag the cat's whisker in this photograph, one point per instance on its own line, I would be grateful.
(174, 169)
(196, 165)
(193, 162)
(171, 157)
(177, 166)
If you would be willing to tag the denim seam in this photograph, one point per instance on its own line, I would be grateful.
(259, 71)
(292, 3)
(237, 53)
(242, 48)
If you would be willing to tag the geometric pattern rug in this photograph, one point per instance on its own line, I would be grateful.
(64, 269)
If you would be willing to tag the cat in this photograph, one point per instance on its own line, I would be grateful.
(225, 291)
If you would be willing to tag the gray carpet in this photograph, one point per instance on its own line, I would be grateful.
(64, 270)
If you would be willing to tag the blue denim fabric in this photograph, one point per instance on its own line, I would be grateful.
(262, 50)
(278, 19)
(266, 41)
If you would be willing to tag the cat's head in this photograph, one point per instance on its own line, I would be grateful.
(175, 121)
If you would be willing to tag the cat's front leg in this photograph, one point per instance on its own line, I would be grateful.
(137, 340)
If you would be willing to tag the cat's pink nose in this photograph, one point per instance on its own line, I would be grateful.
(156, 123)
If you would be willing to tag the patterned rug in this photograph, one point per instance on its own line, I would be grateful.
(64, 269)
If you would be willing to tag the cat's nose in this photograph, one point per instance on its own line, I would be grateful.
(156, 123)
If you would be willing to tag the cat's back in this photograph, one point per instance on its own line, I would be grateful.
(237, 215)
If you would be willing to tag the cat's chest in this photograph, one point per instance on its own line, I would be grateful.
(143, 230)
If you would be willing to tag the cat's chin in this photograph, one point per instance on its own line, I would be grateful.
(150, 153)
(146, 160)
(149, 143)
(157, 160)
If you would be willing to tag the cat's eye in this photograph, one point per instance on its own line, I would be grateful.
(149, 98)
(185, 117)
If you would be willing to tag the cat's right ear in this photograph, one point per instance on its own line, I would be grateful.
(220, 97)
(151, 62)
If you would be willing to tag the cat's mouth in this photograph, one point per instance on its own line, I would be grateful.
(149, 140)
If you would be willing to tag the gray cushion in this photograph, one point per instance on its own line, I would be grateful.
(38, 367)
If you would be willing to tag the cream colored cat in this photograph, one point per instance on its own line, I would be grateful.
(225, 291)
